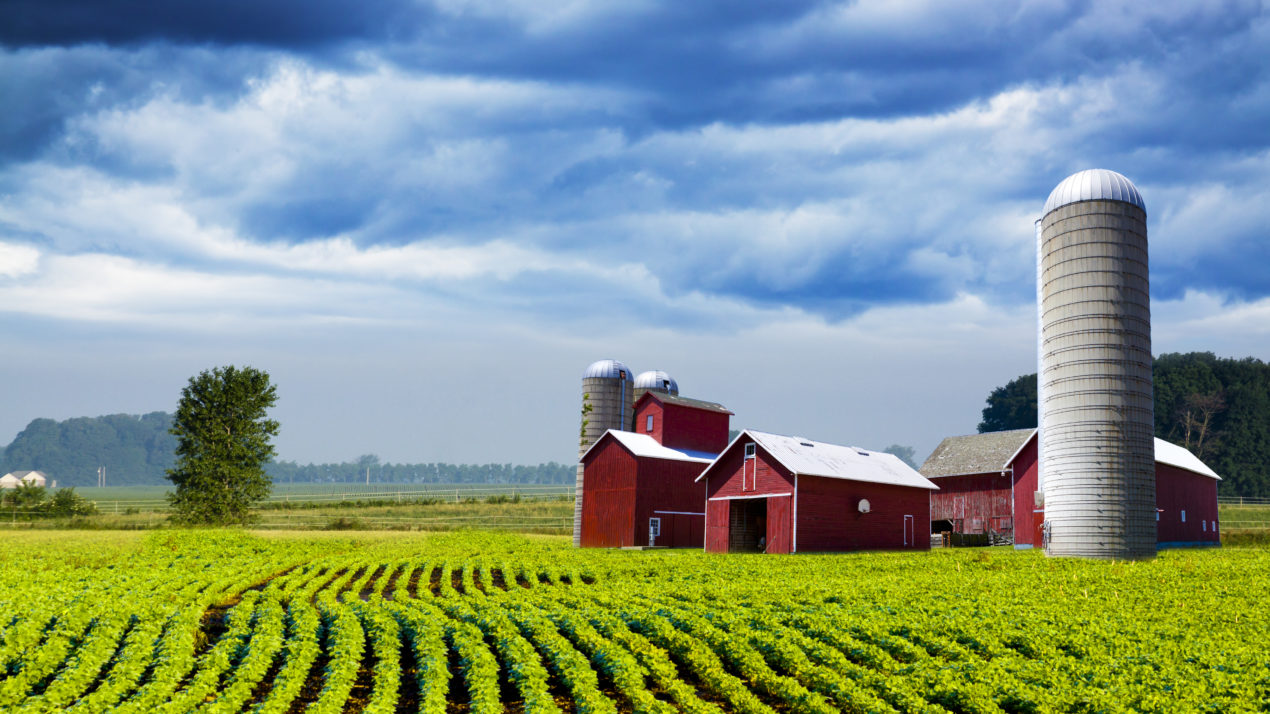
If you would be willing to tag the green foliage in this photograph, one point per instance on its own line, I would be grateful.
(1218, 408)
(586, 419)
(134, 449)
(1011, 407)
(223, 443)
(904, 452)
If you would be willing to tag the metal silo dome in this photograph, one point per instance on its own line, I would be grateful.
(607, 369)
(657, 379)
(1094, 185)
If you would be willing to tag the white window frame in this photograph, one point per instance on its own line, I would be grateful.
(751, 454)
(648, 423)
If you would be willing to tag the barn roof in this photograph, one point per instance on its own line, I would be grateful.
(686, 402)
(646, 446)
(991, 452)
(804, 457)
(975, 453)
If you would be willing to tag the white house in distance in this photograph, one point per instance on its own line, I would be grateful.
(14, 478)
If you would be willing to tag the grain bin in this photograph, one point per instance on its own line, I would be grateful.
(607, 395)
(653, 380)
(1097, 417)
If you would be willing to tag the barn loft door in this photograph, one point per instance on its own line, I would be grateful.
(749, 468)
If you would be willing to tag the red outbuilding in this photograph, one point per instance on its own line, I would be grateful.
(988, 485)
(682, 423)
(783, 494)
(638, 492)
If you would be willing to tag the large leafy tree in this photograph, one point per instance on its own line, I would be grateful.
(223, 444)
(1011, 407)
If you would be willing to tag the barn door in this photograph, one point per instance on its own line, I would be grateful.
(909, 533)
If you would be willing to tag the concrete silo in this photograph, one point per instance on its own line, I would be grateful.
(652, 381)
(607, 396)
(1096, 414)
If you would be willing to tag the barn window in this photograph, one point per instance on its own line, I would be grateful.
(648, 423)
(1183, 516)
(1204, 525)
(750, 450)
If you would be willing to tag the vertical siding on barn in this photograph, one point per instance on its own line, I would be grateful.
(974, 503)
(725, 480)
(608, 503)
(653, 408)
(829, 518)
(694, 429)
(779, 533)
(665, 485)
(1026, 517)
(1178, 490)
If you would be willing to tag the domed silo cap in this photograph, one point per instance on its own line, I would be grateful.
(1094, 185)
(656, 379)
(607, 369)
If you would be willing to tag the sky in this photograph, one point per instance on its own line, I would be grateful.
(425, 219)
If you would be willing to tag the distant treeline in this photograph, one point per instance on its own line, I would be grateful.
(138, 450)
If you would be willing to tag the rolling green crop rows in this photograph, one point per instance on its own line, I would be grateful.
(229, 622)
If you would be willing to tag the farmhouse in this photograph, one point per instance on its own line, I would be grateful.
(786, 494)
(988, 485)
(639, 487)
(14, 478)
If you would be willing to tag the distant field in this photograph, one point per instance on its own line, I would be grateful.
(120, 498)
(1243, 517)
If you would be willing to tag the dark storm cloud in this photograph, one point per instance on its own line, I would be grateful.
(275, 23)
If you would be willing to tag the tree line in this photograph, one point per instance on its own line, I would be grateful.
(1218, 408)
(139, 450)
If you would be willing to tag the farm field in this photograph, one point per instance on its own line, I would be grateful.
(229, 621)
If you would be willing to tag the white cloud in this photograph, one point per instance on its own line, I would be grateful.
(17, 259)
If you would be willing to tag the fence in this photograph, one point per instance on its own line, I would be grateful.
(1242, 501)
(378, 495)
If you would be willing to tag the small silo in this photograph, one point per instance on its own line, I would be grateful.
(607, 396)
(1097, 417)
(653, 380)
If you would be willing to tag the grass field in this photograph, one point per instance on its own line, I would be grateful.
(225, 621)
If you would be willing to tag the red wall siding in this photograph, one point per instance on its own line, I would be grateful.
(640, 424)
(974, 503)
(779, 533)
(693, 429)
(1178, 490)
(829, 517)
(725, 479)
(608, 497)
(665, 485)
(1027, 517)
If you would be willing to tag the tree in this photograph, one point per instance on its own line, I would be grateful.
(904, 452)
(1011, 407)
(222, 445)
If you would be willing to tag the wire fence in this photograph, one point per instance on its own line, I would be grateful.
(1242, 501)
(377, 496)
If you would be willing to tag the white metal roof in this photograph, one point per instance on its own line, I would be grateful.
(805, 457)
(1174, 455)
(984, 445)
(606, 369)
(645, 445)
(1094, 185)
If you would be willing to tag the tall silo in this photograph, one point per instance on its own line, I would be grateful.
(1097, 417)
(608, 392)
(653, 380)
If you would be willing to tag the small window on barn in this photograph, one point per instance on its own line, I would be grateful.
(1183, 516)
(1204, 525)
(750, 450)
(648, 423)
(1157, 515)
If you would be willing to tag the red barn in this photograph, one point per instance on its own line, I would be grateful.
(987, 484)
(682, 423)
(786, 494)
(640, 493)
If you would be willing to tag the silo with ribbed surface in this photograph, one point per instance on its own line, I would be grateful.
(1097, 416)
(607, 395)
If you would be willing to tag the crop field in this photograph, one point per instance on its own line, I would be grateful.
(228, 621)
